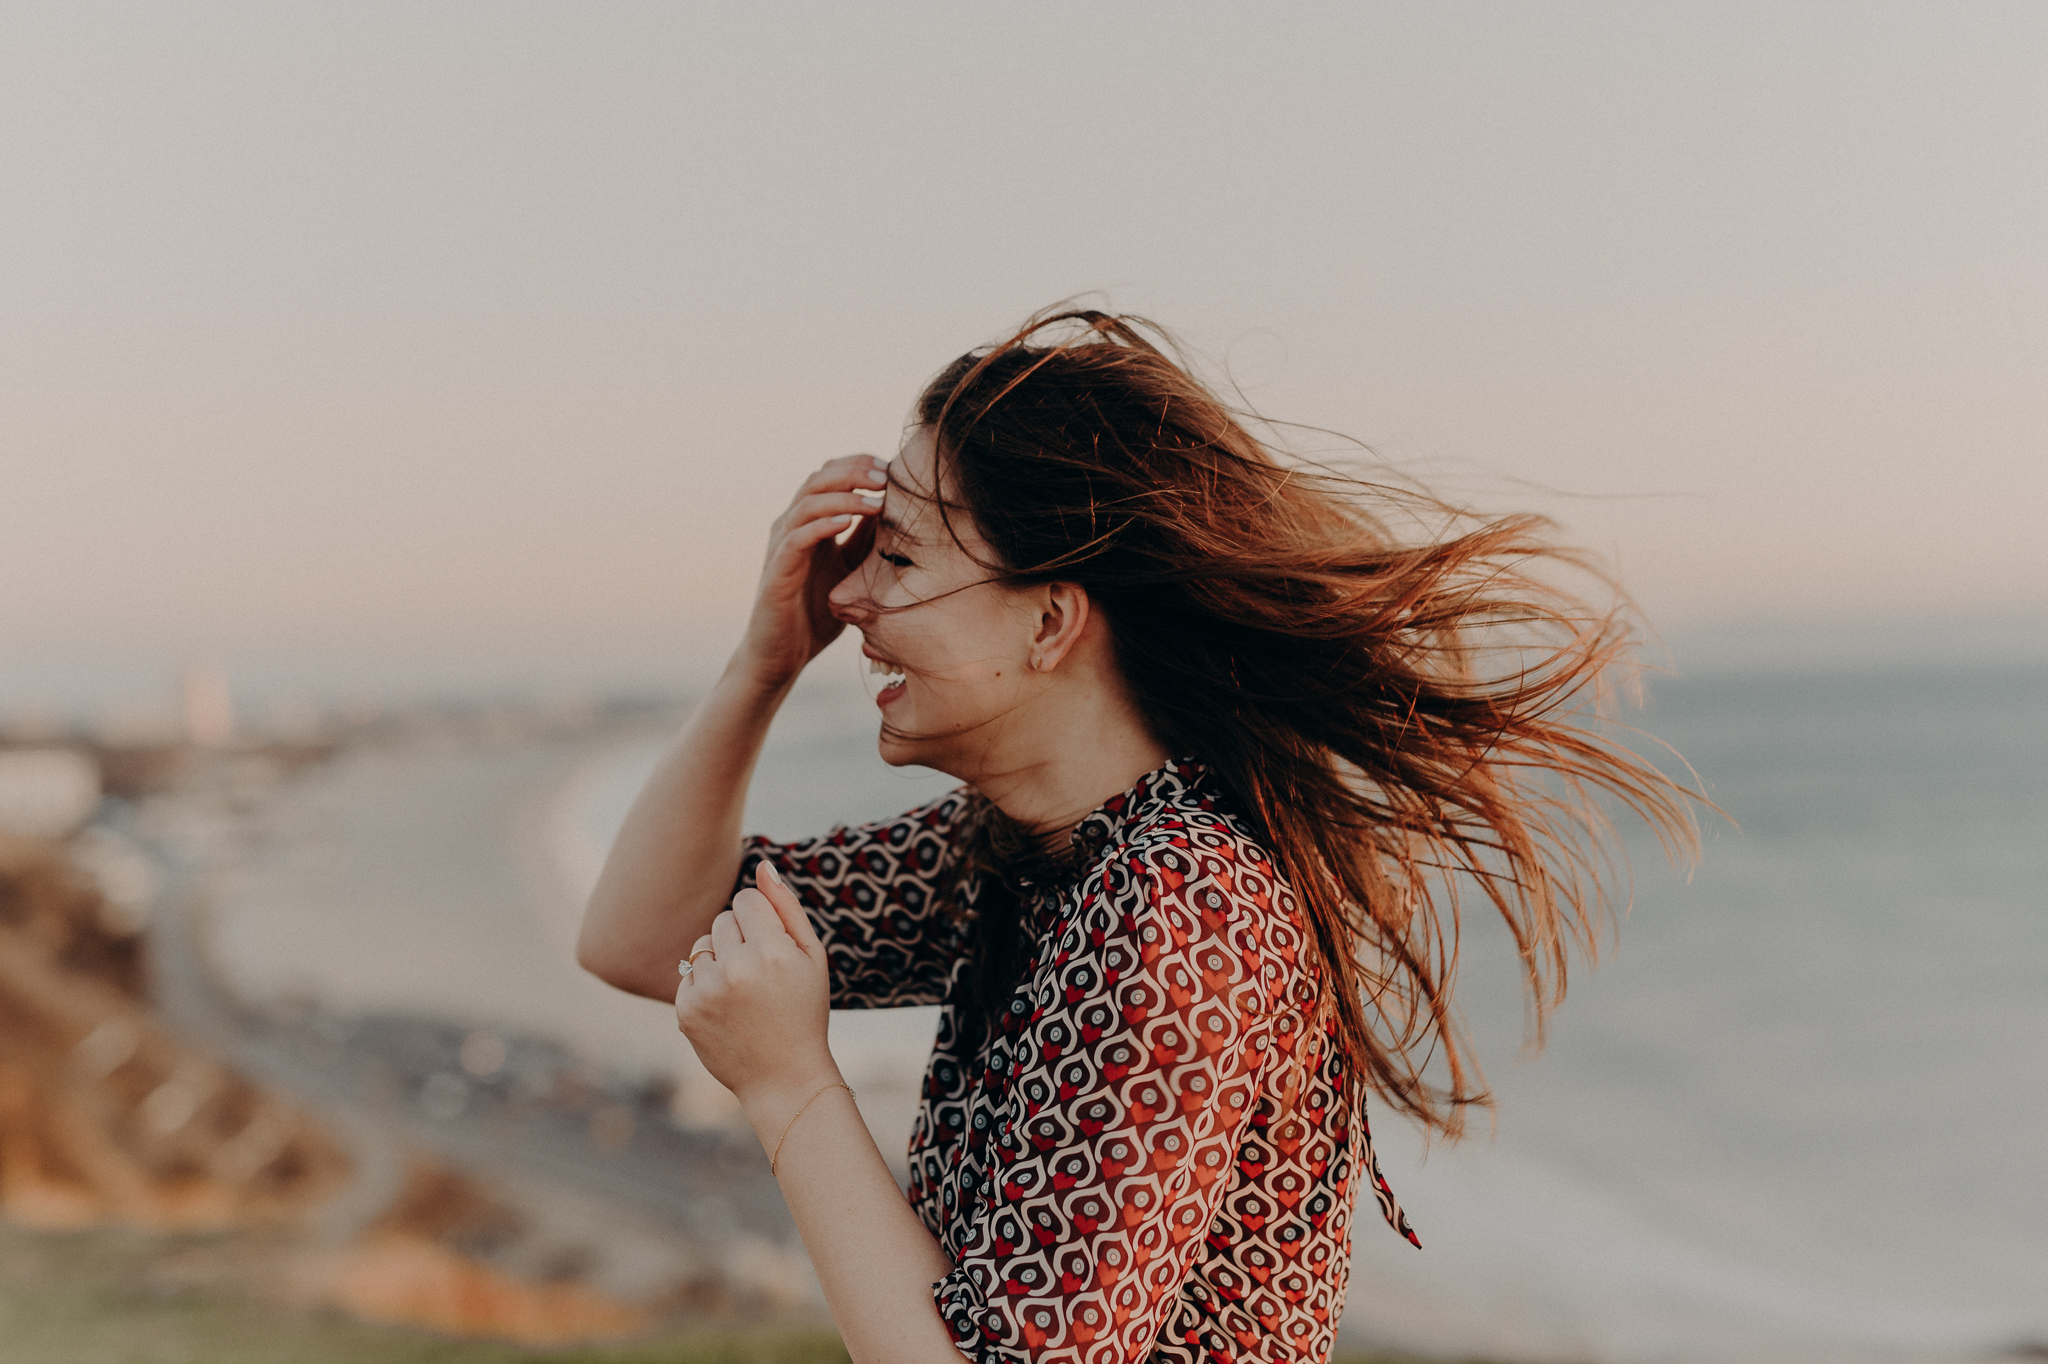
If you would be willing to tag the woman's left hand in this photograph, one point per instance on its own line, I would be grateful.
(756, 1009)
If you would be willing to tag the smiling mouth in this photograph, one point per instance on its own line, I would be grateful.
(892, 674)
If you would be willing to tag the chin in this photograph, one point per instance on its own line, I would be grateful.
(900, 751)
(896, 751)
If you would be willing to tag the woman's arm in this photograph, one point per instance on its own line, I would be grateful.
(875, 1260)
(673, 863)
(756, 1012)
(676, 856)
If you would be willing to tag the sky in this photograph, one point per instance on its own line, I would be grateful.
(497, 333)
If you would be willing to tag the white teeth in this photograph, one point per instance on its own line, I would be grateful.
(890, 673)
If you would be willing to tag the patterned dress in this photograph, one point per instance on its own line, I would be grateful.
(1154, 1154)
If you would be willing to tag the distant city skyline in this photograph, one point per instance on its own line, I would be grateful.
(501, 332)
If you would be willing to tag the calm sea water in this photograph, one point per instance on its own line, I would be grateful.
(1801, 1110)
(1807, 1097)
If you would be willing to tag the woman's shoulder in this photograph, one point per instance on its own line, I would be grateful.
(1192, 878)
(913, 843)
(936, 816)
(1186, 827)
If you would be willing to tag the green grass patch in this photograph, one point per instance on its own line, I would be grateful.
(72, 1327)
(102, 1298)
(117, 1298)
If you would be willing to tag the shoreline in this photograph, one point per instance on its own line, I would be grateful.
(1512, 1269)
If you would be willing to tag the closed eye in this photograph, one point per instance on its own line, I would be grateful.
(898, 560)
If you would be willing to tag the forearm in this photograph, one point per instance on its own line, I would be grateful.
(875, 1260)
(672, 866)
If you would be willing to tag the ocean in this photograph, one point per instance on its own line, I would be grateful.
(1802, 1105)
(1801, 1108)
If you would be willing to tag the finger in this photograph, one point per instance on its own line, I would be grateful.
(848, 471)
(698, 983)
(700, 955)
(791, 539)
(788, 907)
(726, 936)
(854, 550)
(813, 533)
(793, 557)
(758, 919)
(840, 472)
(807, 509)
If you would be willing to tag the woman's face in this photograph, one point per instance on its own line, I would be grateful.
(955, 645)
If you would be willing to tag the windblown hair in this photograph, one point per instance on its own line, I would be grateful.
(1405, 719)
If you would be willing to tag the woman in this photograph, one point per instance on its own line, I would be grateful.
(1231, 748)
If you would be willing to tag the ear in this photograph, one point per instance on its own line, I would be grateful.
(1063, 614)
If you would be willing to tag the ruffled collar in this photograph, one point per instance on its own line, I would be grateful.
(1160, 787)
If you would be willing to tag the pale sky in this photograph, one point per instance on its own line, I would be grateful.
(502, 327)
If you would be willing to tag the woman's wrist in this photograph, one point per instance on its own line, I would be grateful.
(772, 1103)
(758, 677)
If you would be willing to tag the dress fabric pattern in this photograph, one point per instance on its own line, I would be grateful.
(1154, 1155)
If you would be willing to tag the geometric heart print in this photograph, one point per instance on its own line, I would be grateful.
(1155, 1154)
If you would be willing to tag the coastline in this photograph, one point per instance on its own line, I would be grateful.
(1536, 1248)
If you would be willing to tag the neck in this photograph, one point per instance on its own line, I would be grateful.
(1049, 776)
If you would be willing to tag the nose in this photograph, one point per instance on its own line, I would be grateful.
(848, 600)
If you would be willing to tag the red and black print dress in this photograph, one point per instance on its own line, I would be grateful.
(1154, 1155)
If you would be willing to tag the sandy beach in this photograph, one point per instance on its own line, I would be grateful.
(446, 877)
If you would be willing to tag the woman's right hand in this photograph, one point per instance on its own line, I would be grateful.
(792, 621)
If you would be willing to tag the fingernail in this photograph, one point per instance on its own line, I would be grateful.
(878, 476)
(776, 874)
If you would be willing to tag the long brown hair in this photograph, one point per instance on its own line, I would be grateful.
(1405, 715)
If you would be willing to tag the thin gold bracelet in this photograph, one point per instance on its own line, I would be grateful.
(776, 1159)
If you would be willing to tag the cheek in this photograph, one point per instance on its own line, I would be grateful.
(973, 642)
(931, 628)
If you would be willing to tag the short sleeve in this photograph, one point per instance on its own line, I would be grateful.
(1137, 1068)
(871, 891)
